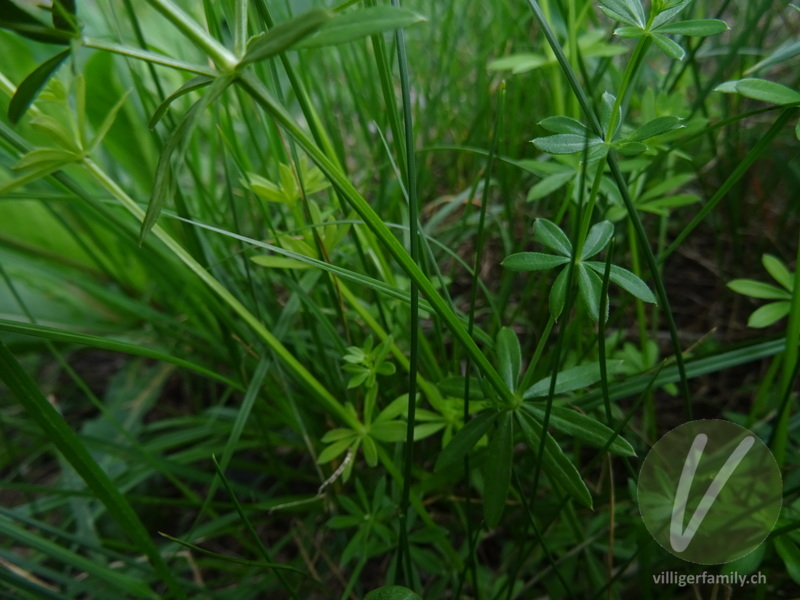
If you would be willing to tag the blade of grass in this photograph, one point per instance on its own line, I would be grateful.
(70, 446)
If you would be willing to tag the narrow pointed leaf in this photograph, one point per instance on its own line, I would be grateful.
(597, 239)
(533, 261)
(31, 86)
(758, 289)
(497, 470)
(668, 46)
(653, 128)
(549, 234)
(548, 185)
(465, 439)
(285, 35)
(631, 33)
(558, 294)
(626, 280)
(165, 178)
(572, 379)
(590, 286)
(565, 143)
(630, 148)
(509, 357)
(768, 91)
(518, 63)
(105, 126)
(361, 24)
(560, 124)
(671, 9)
(607, 103)
(627, 11)
(778, 271)
(581, 427)
(698, 27)
(194, 84)
(555, 463)
(769, 314)
(45, 157)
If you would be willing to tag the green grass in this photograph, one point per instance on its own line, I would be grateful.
(272, 243)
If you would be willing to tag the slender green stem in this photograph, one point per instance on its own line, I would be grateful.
(789, 368)
(151, 57)
(223, 57)
(413, 241)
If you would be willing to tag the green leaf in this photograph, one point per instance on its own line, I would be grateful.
(58, 132)
(164, 180)
(625, 11)
(497, 470)
(769, 314)
(565, 143)
(465, 439)
(778, 271)
(279, 262)
(105, 126)
(783, 53)
(591, 287)
(15, 19)
(626, 280)
(124, 584)
(362, 23)
(66, 441)
(533, 261)
(548, 185)
(630, 148)
(388, 431)
(454, 386)
(92, 341)
(549, 234)
(518, 63)
(629, 32)
(758, 289)
(558, 293)
(572, 379)
(669, 9)
(334, 450)
(655, 127)
(370, 451)
(668, 46)
(194, 84)
(768, 91)
(606, 108)
(555, 463)
(696, 28)
(285, 35)
(31, 86)
(560, 124)
(582, 427)
(45, 156)
(509, 357)
(597, 239)
(392, 592)
(790, 554)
